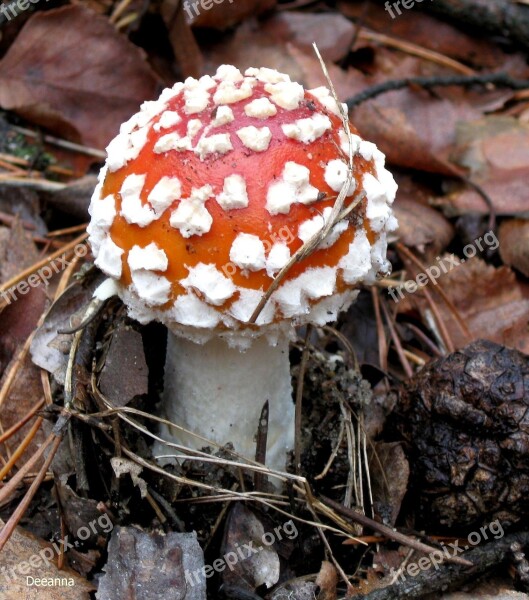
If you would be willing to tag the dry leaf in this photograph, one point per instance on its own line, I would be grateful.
(69, 70)
(496, 152)
(50, 349)
(125, 355)
(420, 226)
(327, 581)
(221, 15)
(389, 479)
(332, 33)
(417, 28)
(25, 559)
(490, 301)
(514, 244)
(413, 128)
(250, 47)
(150, 566)
(260, 565)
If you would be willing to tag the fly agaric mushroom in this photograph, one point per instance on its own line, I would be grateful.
(205, 196)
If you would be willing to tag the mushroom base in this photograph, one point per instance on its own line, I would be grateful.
(218, 392)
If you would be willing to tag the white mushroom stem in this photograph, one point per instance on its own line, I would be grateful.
(218, 392)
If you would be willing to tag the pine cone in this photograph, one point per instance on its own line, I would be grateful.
(465, 419)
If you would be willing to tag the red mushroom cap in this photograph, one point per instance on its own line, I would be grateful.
(209, 191)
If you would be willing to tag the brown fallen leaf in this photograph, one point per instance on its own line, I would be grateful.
(332, 33)
(222, 15)
(17, 252)
(420, 226)
(389, 478)
(69, 70)
(26, 558)
(327, 581)
(74, 198)
(417, 28)
(495, 150)
(17, 321)
(125, 355)
(250, 46)
(514, 244)
(413, 128)
(490, 301)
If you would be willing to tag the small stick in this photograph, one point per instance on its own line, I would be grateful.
(6, 469)
(42, 263)
(390, 533)
(7, 489)
(14, 428)
(418, 263)
(415, 50)
(398, 346)
(14, 519)
(498, 79)
(381, 334)
(67, 230)
(63, 143)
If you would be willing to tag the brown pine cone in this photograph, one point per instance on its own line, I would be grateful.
(466, 423)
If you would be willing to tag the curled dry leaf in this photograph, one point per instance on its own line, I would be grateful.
(69, 70)
(50, 349)
(514, 244)
(258, 567)
(81, 514)
(74, 198)
(389, 477)
(124, 466)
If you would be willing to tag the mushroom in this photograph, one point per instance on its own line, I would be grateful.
(205, 196)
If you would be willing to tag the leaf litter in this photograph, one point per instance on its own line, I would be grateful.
(77, 72)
